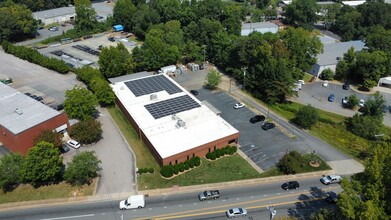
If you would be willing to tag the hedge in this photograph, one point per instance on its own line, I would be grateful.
(169, 170)
(34, 56)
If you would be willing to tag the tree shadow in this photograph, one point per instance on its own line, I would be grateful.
(309, 204)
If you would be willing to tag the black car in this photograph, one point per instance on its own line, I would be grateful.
(64, 149)
(39, 98)
(257, 118)
(112, 39)
(194, 92)
(290, 185)
(346, 86)
(267, 125)
(332, 199)
(59, 107)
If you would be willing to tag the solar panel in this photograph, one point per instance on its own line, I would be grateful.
(171, 106)
(152, 84)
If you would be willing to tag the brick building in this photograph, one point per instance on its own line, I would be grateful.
(173, 124)
(22, 119)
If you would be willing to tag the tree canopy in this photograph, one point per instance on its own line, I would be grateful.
(80, 103)
(10, 171)
(115, 61)
(82, 168)
(302, 13)
(49, 136)
(85, 20)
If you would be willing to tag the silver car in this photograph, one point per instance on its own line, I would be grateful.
(236, 212)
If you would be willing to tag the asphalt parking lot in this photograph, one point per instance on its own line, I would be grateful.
(36, 80)
(317, 95)
(264, 148)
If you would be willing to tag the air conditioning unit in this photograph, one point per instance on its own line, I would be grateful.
(153, 97)
(18, 111)
(180, 123)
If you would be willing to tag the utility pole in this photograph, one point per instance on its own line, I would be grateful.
(244, 77)
(272, 212)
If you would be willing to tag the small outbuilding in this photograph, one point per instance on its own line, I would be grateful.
(118, 27)
(262, 27)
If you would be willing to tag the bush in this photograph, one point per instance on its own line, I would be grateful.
(227, 150)
(87, 131)
(306, 117)
(207, 155)
(176, 168)
(167, 171)
(365, 126)
(327, 74)
(291, 163)
(191, 163)
(187, 167)
(213, 156)
(233, 150)
(197, 161)
(181, 167)
(217, 152)
(151, 170)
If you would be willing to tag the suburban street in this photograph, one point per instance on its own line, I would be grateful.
(255, 198)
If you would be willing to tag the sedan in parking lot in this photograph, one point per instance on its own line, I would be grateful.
(268, 125)
(194, 92)
(238, 105)
(236, 212)
(345, 100)
(345, 86)
(331, 98)
(361, 103)
(257, 118)
(73, 144)
(290, 185)
(325, 83)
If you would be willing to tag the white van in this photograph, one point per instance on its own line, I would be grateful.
(133, 202)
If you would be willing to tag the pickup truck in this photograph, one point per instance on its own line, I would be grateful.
(331, 179)
(207, 195)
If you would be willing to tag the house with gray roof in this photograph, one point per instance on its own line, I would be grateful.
(262, 27)
(332, 53)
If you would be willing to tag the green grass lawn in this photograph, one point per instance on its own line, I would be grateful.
(330, 128)
(62, 190)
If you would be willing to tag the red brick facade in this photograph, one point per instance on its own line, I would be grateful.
(23, 141)
(200, 151)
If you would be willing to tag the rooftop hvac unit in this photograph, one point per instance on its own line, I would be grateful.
(153, 97)
(18, 111)
(174, 117)
(180, 123)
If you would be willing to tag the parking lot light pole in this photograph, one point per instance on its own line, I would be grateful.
(244, 77)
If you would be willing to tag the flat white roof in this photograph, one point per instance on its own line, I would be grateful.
(353, 3)
(202, 125)
(258, 25)
(18, 112)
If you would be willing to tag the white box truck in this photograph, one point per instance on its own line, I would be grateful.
(133, 202)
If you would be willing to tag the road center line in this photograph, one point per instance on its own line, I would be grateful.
(68, 217)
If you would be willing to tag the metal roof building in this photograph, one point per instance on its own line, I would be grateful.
(22, 119)
(333, 52)
(173, 124)
(262, 27)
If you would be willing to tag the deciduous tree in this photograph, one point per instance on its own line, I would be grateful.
(87, 131)
(85, 20)
(123, 13)
(80, 103)
(115, 61)
(49, 136)
(10, 171)
(302, 13)
(16, 23)
(306, 117)
(83, 168)
(213, 78)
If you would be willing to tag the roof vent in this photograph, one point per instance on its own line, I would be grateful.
(180, 123)
(18, 111)
(153, 97)
(174, 117)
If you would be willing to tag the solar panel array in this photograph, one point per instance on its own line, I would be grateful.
(171, 106)
(152, 84)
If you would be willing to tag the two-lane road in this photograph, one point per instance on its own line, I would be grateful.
(254, 198)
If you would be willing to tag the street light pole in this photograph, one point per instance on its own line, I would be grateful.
(244, 77)
(272, 212)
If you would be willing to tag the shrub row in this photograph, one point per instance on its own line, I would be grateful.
(34, 56)
(169, 170)
(228, 150)
(97, 84)
(145, 170)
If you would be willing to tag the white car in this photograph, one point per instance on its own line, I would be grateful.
(361, 103)
(325, 83)
(297, 86)
(73, 144)
(300, 82)
(331, 179)
(345, 100)
(236, 212)
(238, 105)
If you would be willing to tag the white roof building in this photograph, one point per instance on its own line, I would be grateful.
(176, 124)
(353, 3)
(262, 27)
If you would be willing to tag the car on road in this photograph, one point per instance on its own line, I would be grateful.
(257, 118)
(236, 212)
(331, 98)
(208, 195)
(133, 202)
(345, 86)
(53, 28)
(361, 103)
(194, 92)
(268, 125)
(325, 83)
(345, 100)
(329, 179)
(290, 185)
(238, 105)
(73, 144)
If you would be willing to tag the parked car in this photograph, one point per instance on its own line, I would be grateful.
(73, 144)
(325, 83)
(112, 39)
(53, 28)
(133, 202)
(290, 185)
(332, 199)
(238, 105)
(345, 100)
(194, 92)
(257, 118)
(236, 212)
(329, 179)
(64, 148)
(301, 82)
(361, 103)
(268, 125)
(331, 98)
(345, 86)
